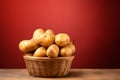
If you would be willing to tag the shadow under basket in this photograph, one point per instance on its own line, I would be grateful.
(48, 67)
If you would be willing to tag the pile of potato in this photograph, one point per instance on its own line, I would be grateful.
(47, 44)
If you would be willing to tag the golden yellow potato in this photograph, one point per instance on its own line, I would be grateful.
(50, 31)
(53, 51)
(46, 39)
(40, 52)
(72, 46)
(37, 33)
(62, 39)
(27, 45)
(67, 51)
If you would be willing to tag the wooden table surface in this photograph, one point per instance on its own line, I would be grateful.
(75, 74)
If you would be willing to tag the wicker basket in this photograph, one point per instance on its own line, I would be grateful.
(48, 67)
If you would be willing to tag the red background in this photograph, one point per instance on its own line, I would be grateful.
(92, 24)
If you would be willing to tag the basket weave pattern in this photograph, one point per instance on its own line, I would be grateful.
(48, 67)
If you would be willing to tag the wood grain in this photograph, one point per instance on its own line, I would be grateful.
(75, 74)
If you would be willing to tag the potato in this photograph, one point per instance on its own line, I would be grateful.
(72, 46)
(37, 33)
(27, 46)
(40, 52)
(50, 31)
(62, 39)
(53, 51)
(67, 51)
(46, 39)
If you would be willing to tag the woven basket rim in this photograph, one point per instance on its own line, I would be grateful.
(46, 58)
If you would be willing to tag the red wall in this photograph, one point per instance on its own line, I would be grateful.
(92, 24)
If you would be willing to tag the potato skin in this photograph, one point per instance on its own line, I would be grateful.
(53, 51)
(50, 31)
(72, 46)
(46, 39)
(36, 35)
(68, 50)
(27, 46)
(62, 39)
(40, 52)
(38, 32)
